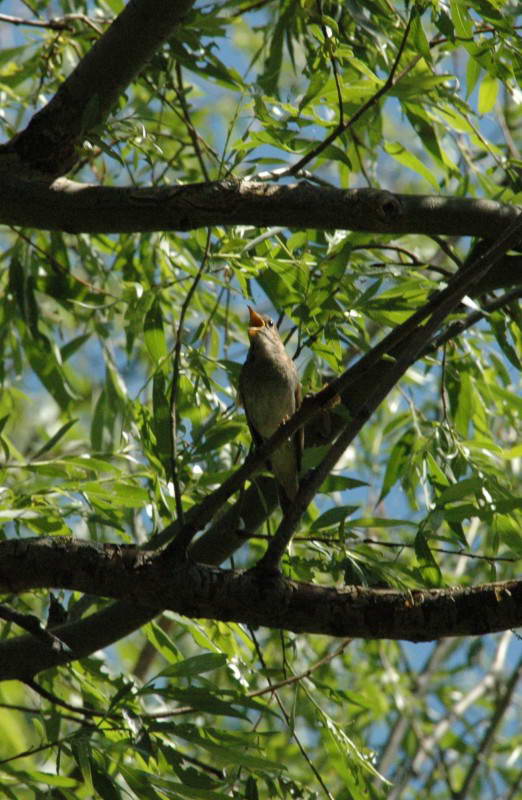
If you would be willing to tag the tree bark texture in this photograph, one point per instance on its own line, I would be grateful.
(149, 581)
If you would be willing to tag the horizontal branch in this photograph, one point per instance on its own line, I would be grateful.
(251, 597)
(78, 208)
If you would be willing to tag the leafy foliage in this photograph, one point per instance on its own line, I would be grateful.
(428, 496)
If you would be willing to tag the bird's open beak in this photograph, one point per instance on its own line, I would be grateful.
(256, 323)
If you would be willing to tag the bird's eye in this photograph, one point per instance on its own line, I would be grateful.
(269, 323)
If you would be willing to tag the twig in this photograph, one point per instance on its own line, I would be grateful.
(31, 624)
(272, 687)
(40, 748)
(57, 23)
(458, 327)
(250, 7)
(291, 727)
(342, 127)
(87, 712)
(444, 246)
(180, 93)
(415, 261)
(333, 62)
(175, 381)
(330, 541)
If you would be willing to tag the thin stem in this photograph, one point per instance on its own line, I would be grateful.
(344, 126)
(480, 752)
(458, 327)
(333, 62)
(180, 92)
(175, 381)
(290, 726)
(57, 23)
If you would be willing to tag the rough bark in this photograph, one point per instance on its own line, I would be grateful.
(152, 582)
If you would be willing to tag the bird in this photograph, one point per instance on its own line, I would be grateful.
(270, 392)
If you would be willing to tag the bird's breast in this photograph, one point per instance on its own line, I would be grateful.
(268, 395)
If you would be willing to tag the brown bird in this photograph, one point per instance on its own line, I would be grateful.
(270, 392)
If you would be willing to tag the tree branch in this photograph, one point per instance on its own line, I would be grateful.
(65, 23)
(78, 208)
(49, 143)
(143, 578)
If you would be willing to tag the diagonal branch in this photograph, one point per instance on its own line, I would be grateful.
(417, 333)
(50, 142)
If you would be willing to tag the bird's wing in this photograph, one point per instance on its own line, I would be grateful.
(256, 438)
(299, 434)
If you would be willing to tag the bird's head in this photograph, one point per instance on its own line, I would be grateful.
(263, 333)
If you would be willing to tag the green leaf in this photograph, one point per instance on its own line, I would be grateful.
(333, 516)
(222, 434)
(461, 19)
(103, 784)
(269, 78)
(380, 522)
(67, 350)
(123, 494)
(154, 336)
(48, 779)
(162, 419)
(418, 37)
(397, 462)
(315, 86)
(429, 568)
(340, 483)
(464, 412)
(82, 751)
(460, 490)
(42, 356)
(488, 93)
(208, 702)
(407, 159)
(196, 665)
(473, 71)
(501, 330)
(50, 443)
(162, 642)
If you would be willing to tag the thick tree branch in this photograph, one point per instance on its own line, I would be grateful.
(78, 208)
(24, 656)
(144, 578)
(49, 143)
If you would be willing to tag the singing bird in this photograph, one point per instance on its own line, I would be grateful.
(270, 392)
